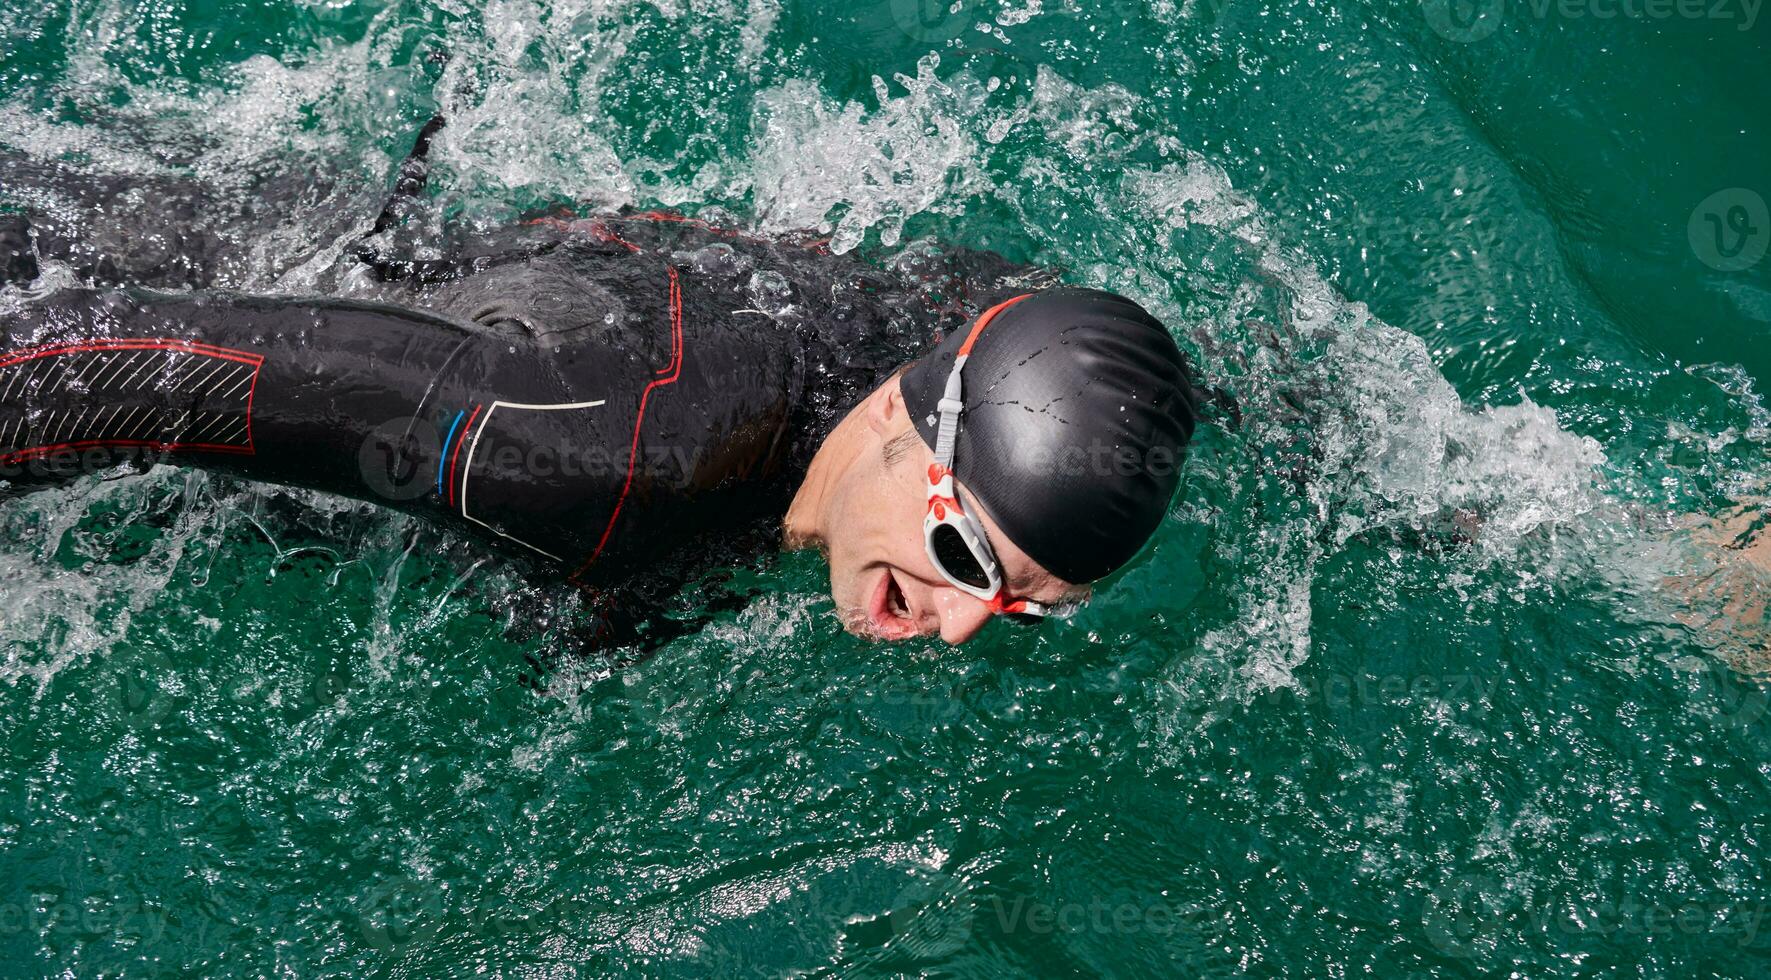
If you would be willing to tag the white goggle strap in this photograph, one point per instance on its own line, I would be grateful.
(950, 405)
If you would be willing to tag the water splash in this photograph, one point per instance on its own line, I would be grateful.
(845, 170)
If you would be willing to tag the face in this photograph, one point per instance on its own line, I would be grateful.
(881, 578)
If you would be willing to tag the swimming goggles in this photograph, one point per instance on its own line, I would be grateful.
(954, 540)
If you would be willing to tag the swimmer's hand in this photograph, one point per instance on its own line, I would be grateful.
(18, 261)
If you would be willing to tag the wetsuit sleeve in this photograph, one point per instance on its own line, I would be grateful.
(282, 390)
(602, 452)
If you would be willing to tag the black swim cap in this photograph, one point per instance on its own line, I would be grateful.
(1077, 409)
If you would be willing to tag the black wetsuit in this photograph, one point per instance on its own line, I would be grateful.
(600, 394)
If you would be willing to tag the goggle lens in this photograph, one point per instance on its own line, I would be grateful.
(956, 559)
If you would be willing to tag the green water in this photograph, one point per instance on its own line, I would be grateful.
(250, 732)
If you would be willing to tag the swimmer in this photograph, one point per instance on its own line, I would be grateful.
(961, 437)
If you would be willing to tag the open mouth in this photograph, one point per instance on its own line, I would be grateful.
(890, 611)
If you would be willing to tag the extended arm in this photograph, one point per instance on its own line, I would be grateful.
(174, 233)
(127, 229)
(282, 390)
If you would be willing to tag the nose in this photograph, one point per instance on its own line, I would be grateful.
(961, 616)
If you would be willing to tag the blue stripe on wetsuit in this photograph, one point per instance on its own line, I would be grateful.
(443, 457)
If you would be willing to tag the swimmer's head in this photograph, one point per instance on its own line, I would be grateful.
(1076, 411)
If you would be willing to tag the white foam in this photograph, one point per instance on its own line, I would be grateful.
(845, 169)
(759, 23)
(55, 614)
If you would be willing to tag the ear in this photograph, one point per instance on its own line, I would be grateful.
(886, 414)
